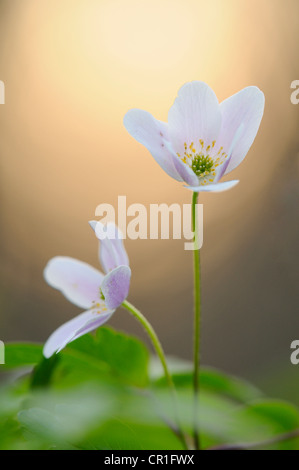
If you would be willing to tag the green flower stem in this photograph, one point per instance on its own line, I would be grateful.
(159, 350)
(197, 305)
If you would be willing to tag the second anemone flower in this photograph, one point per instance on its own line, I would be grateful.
(99, 294)
(203, 140)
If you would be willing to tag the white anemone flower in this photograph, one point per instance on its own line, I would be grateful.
(203, 140)
(97, 293)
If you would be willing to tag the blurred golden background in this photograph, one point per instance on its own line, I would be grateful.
(72, 68)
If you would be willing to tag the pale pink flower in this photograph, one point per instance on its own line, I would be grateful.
(203, 140)
(99, 294)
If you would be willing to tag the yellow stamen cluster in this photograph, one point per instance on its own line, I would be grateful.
(99, 306)
(203, 160)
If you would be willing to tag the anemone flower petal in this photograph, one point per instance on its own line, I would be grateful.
(79, 282)
(245, 107)
(153, 134)
(115, 286)
(217, 187)
(222, 169)
(73, 329)
(185, 171)
(112, 252)
(194, 115)
(94, 323)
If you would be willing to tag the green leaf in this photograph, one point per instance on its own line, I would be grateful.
(232, 387)
(80, 398)
(126, 355)
(44, 427)
(11, 437)
(265, 421)
(21, 355)
(94, 417)
(43, 373)
(232, 411)
(212, 381)
(108, 353)
(120, 434)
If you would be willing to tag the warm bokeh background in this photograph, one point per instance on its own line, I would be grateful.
(72, 69)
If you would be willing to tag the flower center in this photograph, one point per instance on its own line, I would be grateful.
(98, 306)
(202, 165)
(203, 160)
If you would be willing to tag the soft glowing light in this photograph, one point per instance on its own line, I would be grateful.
(145, 34)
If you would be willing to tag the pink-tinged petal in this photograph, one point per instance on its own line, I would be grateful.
(73, 329)
(115, 286)
(247, 108)
(185, 171)
(93, 324)
(112, 252)
(217, 188)
(194, 115)
(153, 134)
(222, 169)
(79, 282)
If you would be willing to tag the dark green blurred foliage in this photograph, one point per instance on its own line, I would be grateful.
(105, 392)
